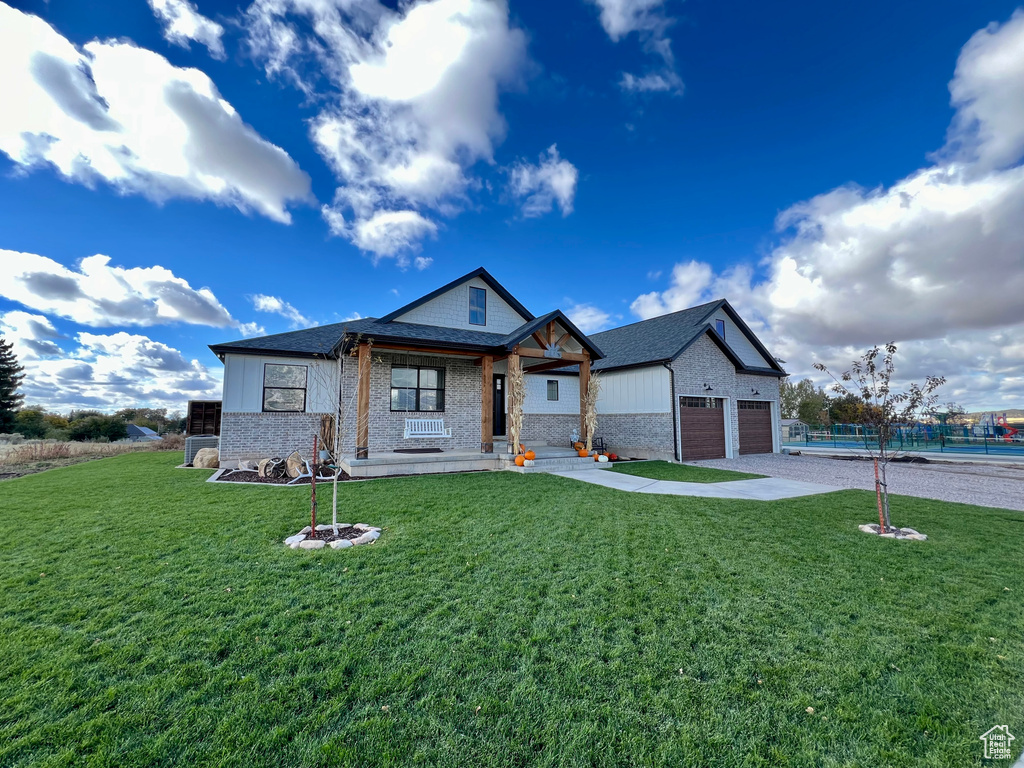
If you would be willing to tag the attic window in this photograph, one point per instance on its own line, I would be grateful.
(720, 327)
(477, 306)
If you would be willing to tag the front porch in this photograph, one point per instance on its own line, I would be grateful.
(549, 459)
(477, 392)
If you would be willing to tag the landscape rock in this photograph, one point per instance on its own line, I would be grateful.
(247, 464)
(361, 527)
(307, 529)
(312, 544)
(341, 544)
(206, 458)
(324, 527)
(294, 465)
(295, 539)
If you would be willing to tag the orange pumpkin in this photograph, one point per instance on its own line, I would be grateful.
(520, 460)
(597, 457)
(530, 455)
(577, 446)
(583, 453)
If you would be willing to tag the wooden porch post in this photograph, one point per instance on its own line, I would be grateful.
(515, 401)
(584, 385)
(487, 404)
(363, 403)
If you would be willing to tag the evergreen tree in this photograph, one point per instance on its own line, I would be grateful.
(11, 377)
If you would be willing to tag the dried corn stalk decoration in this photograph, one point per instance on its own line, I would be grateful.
(327, 431)
(590, 408)
(516, 396)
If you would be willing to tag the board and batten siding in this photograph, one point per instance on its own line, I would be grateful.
(738, 342)
(243, 382)
(635, 390)
(451, 310)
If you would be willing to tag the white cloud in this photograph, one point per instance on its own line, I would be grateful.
(416, 104)
(107, 372)
(933, 262)
(552, 180)
(182, 23)
(33, 336)
(278, 306)
(124, 115)
(98, 294)
(588, 318)
(647, 18)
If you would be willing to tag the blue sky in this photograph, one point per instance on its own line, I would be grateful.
(844, 175)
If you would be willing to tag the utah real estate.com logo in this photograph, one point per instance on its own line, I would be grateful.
(997, 742)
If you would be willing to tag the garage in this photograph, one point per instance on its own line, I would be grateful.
(755, 426)
(702, 428)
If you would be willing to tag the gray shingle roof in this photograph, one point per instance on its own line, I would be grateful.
(309, 341)
(376, 329)
(651, 341)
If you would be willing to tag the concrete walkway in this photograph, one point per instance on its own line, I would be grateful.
(763, 489)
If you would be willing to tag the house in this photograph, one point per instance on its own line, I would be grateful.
(137, 434)
(693, 384)
(794, 430)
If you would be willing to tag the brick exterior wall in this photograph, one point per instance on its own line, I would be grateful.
(637, 435)
(549, 428)
(259, 435)
(703, 363)
(462, 404)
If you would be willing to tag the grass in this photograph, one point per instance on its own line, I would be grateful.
(31, 456)
(664, 470)
(150, 619)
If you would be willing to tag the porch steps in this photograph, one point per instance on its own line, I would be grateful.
(559, 464)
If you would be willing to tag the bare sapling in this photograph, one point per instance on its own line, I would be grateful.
(883, 410)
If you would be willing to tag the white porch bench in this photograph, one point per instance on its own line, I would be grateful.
(426, 428)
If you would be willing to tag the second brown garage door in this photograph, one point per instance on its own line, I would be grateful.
(702, 428)
(755, 426)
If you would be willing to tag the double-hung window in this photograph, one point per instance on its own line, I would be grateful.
(477, 306)
(284, 388)
(417, 388)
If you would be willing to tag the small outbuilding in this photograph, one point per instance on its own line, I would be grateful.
(137, 434)
(794, 430)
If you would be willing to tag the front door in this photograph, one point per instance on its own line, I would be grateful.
(499, 404)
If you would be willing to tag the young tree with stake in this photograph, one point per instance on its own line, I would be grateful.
(885, 410)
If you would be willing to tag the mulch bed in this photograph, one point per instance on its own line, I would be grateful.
(418, 450)
(253, 477)
(343, 533)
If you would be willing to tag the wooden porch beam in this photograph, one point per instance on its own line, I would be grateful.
(547, 366)
(540, 340)
(572, 357)
(487, 404)
(363, 403)
(494, 359)
(564, 338)
(424, 350)
(551, 335)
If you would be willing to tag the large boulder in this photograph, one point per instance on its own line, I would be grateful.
(294, 464)
(206, 458)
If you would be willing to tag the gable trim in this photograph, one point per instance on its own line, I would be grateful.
(480, 272)
(526, 330)
(749, 334)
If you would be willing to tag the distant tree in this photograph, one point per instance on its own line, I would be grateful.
(30, 422)
(869, 380)
(11, 376)
(98, 427)
(951, 413)
(847, 409)
(804, 401)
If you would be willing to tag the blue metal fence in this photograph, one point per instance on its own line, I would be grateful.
(941, 439)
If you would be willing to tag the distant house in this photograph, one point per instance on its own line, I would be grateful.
(794, 429)
(692, 384)
(137, 434)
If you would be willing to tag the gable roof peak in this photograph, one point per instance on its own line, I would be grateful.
(480, 272)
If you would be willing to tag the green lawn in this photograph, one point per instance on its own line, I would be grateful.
(663, 470)
(148, 618)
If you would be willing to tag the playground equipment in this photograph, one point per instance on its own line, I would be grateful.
(999, 426)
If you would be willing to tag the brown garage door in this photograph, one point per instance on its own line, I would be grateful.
(702, 428)
(755, 426)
